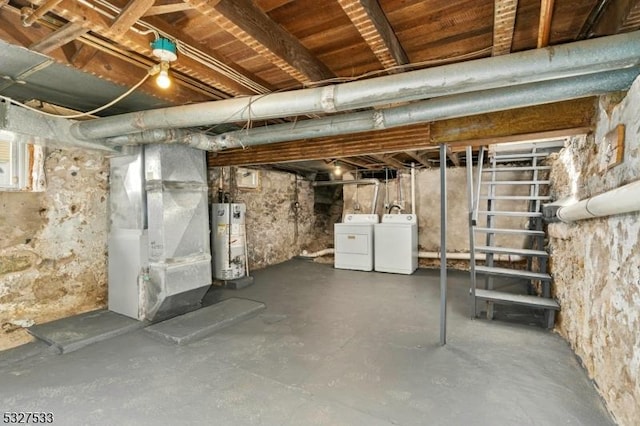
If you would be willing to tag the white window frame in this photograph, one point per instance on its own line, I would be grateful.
(18, 173)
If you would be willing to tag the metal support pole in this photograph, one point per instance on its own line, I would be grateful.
(443, 244)
(472, 245)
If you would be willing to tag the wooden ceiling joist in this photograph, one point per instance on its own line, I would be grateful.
(249, 24)
(544, 27)
(77, 12)
(167, 8)
(453, 157)
(374, 27)
(632, 20)
(129, 15)
(504, 20)
(66, 34)
(388, 160)
(419, 158)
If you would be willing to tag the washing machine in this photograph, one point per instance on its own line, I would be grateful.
(396, 244)
(353, 242)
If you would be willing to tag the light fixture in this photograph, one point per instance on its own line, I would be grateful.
(165, 50)
(163, 80)
(337, 170)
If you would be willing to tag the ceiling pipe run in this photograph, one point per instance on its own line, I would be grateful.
(625, 199)
(436, 109)
(162, 136)
(572, 59)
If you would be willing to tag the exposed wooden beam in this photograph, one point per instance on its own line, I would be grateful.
(167, 8)
(418, 158)
(632, 20)
(389, 161)
(504, 20)
(43, 9)
(459, 146)
(610, 17)
(128, 16)
(355, 162)
(66, 34)
(374, 27)
(394, 140)
(544, 27)
(453, 156)
(540, 118)
(556, 117)
(74, 11)
(249, 24)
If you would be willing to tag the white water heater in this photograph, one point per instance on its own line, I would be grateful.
(228, 240)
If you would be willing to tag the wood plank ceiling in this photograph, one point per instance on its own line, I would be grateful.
(229, 48)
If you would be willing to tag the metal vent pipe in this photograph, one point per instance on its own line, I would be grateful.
(435, 109)
(572, 59)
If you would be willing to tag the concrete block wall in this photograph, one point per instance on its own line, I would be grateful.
(596, 262)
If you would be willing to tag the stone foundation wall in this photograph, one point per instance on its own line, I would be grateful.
(596, 262)
(276, 230)
(53, 245)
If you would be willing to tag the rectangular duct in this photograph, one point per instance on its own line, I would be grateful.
(159, 254)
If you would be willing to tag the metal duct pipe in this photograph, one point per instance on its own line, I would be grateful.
(436, 109)
(161, 136)
(375, 182)
(579, 58)
(625, 199)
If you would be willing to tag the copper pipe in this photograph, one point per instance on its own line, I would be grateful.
(544, 28)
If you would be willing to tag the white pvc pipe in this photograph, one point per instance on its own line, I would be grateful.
(625, 199)
(317, 253)
(467, 256)
(430, 255)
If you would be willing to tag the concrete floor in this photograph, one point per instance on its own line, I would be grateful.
(332, 348)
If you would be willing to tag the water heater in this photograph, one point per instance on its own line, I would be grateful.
(228, 240)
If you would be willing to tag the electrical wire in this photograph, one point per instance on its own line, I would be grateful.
(430, 62)
(187, 50)
(83, 114)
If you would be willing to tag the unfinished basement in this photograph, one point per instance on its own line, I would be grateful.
(292, 212)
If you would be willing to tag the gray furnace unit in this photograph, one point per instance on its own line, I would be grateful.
(159, 254)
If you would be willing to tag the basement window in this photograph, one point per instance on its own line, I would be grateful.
(21, 165)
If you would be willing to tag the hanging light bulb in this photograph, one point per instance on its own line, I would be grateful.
(163, 80)
(337, 170)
